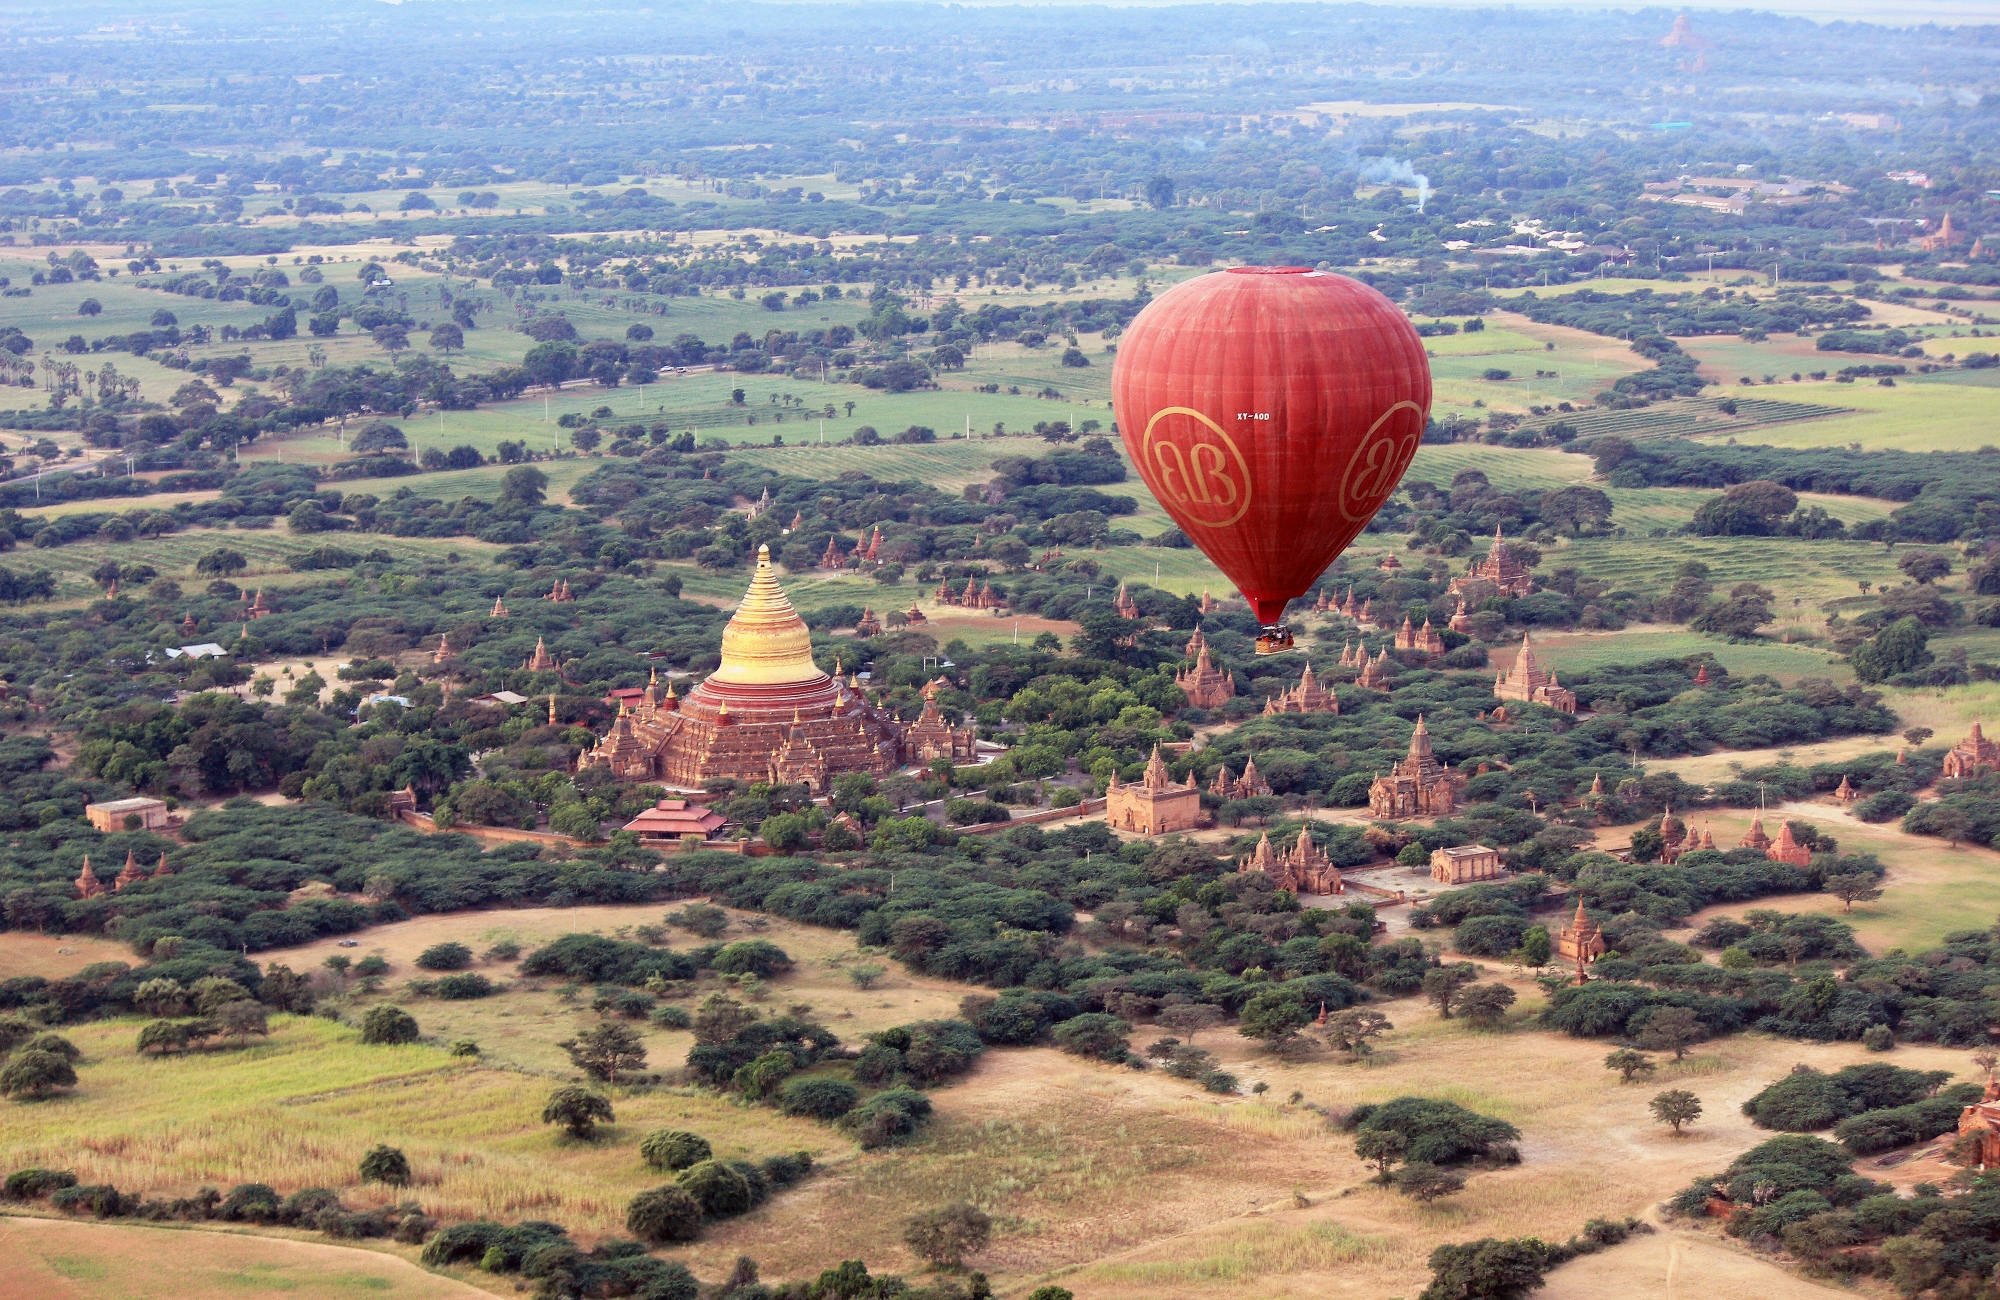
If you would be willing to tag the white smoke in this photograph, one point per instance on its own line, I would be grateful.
(1388, 171)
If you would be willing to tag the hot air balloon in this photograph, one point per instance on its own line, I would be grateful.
(1272, 410)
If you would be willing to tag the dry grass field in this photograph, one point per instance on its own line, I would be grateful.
(59, 1259)
(1117, 1183)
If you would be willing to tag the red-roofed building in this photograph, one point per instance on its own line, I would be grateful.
(673, 819)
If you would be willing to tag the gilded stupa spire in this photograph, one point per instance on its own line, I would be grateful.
(766, 642)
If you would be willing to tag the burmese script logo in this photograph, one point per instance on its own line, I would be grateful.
(1378, 461)
(1196, 467)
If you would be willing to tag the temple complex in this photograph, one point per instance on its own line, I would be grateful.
(976, 595)
(1419, 786)
(1982, 1118)
(560, 593)
(1530, 683)
(87, 883)
(930, 737)
(1302, 868)
(1498, 568)
(1846, 793)
(1125, 605)
(1971, 756)
(1461, 622)
(1787, 849)
(541, 661)
(1206, 686)
(1465, 865)
(1755, 838)
(1307, 697)
(768, 713)
(1155, 804)
(1673, 838)
(1424, 640)
(1251, 785)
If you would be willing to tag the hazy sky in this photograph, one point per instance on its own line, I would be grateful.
(1898, 13)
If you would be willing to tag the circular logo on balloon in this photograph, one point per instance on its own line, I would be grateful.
(1378, 461)
(1190, 461)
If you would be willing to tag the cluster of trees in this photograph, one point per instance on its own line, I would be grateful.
(1870, 1108)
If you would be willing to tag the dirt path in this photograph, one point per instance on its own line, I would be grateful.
(1672, 1265)
(61, 1259)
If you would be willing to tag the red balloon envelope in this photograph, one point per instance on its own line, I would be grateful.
(1272, 410)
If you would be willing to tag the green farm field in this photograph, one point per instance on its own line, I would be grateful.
(270, 552)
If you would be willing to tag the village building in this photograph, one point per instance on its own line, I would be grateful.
(1155, 804)
(676, 819)
(1419, 786)
(110, 816)
(1971, 756)
(1465, 865)
(1424, 641)
(1302, 868)
(1530, 683)
(768, 713)
(1307, 697)
(1205, 685)
(1251, 785)
(1498, 568)
(1582, 940)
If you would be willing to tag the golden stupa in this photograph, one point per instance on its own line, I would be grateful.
(766, 642)
(767, 713)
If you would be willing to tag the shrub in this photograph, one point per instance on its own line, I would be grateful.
(758, 957)
(33, 1184)
(887, 1117)
(818, 1098)
(385, 1164)
(719, 1189)
(464, 988)
(674, 1149)
(250, 1203)
(1807, 1099)
(664, 1214)
(671, 1017)
(945, 1236)
(1095, 1034)
(1488, 1269)
(388, 1025)
(445, 956)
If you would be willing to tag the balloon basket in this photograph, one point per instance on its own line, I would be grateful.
(1274, 640)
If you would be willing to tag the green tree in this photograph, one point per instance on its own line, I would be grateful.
(1094, 1034)
(944, 1237)
(385, 1164)
(1160, 191)
(446, 335)
(1629, 1064)
(524, 485)
(1274, 1015)
(221, 563)
(578, 1110)
(1924, 567)
(1576, 510)
(1852, 888)
(1747, 608)
(1350, 1030)
(1443, 985)
(31, 1075)
(1425, 1183)
(1676, 1107)
(1671, 1029)
(1535, 946)
(1901, 647)
(445, 956)
(1486, 1005)
(1381, 1147)
(661, 1215)
(388, 1025)
(604, 1049)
